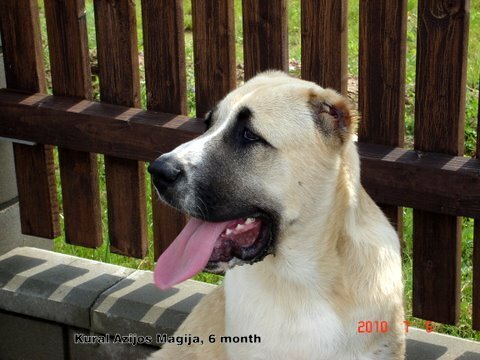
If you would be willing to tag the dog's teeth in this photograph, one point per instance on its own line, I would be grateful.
(228, 232)
(249, 221)
(239, 227)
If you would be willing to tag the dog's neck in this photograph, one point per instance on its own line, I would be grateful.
(321, 231)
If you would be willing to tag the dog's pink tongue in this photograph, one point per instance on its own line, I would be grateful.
(188, 254)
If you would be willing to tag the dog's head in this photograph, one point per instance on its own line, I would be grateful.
(271, 149)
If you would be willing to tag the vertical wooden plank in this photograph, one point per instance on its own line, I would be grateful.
(324, 43)
(214, 51)
(381, 98)
(265, 36)
(164, 49)
(22, 45)
(439, 122)
(119, 84)
(117, 50)
(476, 276)
(24, 70)
(167, 224)
(37, 195)
(436, 267)
(382, 71)
(68, 45)
(476, 249)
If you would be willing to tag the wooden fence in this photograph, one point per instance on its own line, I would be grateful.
(434, 179)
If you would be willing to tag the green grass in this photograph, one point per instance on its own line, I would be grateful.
(463, 329)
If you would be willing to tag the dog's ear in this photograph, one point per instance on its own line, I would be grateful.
(333, 114)
(208, 118)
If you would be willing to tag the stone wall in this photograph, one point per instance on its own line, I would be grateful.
(55, 306)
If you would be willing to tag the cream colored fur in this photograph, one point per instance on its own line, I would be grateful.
(337, 259)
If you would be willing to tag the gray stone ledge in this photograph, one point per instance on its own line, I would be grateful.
(422, 345)
(136, 305)
(67, 296)
(53, 286)
(87, 294)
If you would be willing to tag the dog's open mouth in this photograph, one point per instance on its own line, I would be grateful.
(215, 246)
(245, 239)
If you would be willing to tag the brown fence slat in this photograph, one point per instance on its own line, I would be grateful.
(324, 43)
(68, 45)
(164, 49)
(265, 36)
(381, 98)
(39, 212)
(21, 42)
(476, 249)
(214, 51)
(24, 70)
(476, 276)
(381, 78)
(119, 83)
(439, 120)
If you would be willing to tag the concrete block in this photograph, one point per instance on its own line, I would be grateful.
(8, 182)
(136, 306)
(3, 82)
(83, 345)
(37, 242)
(11, 236)
(422, 345)
(25, 338)
(54, 286)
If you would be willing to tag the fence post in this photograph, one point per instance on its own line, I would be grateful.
(439, 127)
(24, 71)
(70, 72)
(165, 76)
(324, 43)
(11, 236)
(381, 80)
(265, 36)
(476, 248)
(119, 84)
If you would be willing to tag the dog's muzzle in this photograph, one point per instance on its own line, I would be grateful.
(219, 234)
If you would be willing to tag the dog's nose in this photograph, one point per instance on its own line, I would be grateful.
(165, 171)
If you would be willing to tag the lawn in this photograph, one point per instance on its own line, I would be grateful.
(463, 329)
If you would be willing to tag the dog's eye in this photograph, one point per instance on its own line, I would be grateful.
(249, 135)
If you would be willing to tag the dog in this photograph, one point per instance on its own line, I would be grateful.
(312, 265)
